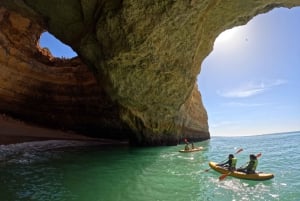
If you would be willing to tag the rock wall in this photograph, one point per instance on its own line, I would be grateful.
(136, 70)
(41, 89)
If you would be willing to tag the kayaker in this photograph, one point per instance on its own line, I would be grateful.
(251, 165)
(230, 164)
(187, 147)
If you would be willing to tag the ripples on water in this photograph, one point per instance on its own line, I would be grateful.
(60, 170)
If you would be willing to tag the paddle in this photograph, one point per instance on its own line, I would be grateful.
(238, 151)
(223, 176)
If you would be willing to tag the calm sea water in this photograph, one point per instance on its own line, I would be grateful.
(53, 171)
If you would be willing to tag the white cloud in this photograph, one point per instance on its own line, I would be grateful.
(240, 104)
(251, 89)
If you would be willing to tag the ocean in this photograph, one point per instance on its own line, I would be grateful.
(77, 171)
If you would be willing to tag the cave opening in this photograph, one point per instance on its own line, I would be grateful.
(249, 82)
(55, 47)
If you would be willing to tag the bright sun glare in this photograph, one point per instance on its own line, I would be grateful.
(227, 35)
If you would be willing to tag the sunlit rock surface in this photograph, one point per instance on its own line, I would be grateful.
(135, 76)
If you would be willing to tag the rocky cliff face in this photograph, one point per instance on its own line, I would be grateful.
(136, 70)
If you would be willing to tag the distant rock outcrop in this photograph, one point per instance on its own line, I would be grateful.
(135, 76)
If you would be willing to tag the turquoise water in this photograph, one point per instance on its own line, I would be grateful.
(56, 170)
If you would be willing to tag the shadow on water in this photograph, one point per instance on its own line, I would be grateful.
(53, 172)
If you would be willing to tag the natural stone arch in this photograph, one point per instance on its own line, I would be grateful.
(54, 92)
(145, 55)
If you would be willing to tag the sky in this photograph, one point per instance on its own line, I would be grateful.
(56, 47)
(250, 81)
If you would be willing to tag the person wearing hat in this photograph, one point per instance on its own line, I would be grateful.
(186, 148)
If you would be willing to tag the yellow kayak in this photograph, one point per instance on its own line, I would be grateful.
(191, 150)
(257, 176)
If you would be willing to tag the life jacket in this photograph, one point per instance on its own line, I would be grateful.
(255, 165)
(233, 162)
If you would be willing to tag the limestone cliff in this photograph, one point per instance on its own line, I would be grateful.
(136, 70)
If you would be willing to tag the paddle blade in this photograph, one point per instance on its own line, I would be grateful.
(223, 176)
(258, 155)
(238, 151)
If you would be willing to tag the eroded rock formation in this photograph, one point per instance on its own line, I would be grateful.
(135, 76)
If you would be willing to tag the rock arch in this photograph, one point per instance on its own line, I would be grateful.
(135, 75)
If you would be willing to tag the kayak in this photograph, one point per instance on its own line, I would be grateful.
(241, 175)
(191, 150)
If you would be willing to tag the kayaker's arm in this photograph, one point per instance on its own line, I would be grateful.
(222, 164)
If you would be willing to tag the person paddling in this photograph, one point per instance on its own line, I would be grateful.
(251, 165)
(186, 148)
(230, 164)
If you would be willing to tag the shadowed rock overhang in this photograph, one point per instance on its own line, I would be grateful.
(136, 70)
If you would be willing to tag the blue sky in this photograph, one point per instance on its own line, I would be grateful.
(250, 81)
(57, 48)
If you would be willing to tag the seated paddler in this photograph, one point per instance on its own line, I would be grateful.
(230, 163)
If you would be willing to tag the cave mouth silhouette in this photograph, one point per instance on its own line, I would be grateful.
(55, 47)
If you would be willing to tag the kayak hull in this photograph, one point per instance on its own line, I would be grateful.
(191, 150)
(241, 175)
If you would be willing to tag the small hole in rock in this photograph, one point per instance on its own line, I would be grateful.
(55, 46)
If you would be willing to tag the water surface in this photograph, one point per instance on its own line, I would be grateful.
(56, 170)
